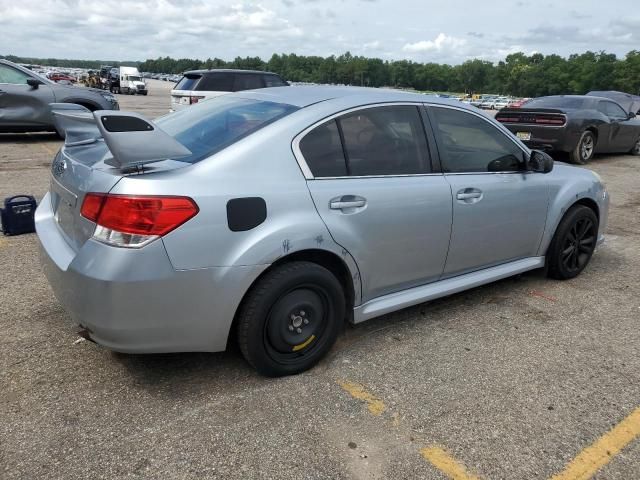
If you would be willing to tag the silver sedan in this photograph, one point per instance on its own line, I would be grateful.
(275, 216)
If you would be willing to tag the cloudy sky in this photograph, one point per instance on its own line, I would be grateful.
(450, 31)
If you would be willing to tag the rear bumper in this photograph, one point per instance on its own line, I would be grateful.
(558, 139)
(133, 300)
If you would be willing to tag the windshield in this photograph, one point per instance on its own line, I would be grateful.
(556, 102)
(134, 78)
(211, 126)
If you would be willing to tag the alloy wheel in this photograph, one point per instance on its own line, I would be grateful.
(579, 244)
(586, 148)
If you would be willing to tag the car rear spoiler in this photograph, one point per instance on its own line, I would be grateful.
(132, 139)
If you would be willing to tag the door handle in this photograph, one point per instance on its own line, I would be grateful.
(347, 201)
(467, 196)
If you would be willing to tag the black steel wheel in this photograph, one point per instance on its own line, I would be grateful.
(585, 149)
(290, 318)
(573, 243)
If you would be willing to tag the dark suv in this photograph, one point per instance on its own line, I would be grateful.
(197, 85)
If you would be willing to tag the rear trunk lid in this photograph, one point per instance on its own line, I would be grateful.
(78, 170)
(74, 172)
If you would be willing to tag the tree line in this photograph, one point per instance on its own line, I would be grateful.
(68, 63)
(518, 74)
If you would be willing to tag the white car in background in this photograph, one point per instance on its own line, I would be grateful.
(198, 85)
(500, 102)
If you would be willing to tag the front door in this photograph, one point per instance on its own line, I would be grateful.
(499, 210)
(623, 132)
(374, 188)
(22, 105)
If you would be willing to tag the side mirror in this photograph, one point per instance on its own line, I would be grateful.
(33, 82)
(631, 115)
(540, 162)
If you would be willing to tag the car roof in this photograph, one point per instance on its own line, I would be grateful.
(226, 70)
(303, 96)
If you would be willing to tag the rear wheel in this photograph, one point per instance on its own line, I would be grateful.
(585, 149)
(290, 318)
(573, 243)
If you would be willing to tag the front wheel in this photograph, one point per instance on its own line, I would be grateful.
(636, 148)
(573, 243)
(584, 150)
(290, 319)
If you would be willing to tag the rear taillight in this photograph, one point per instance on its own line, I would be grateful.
(193, 100)
(133, 221)
(550, 120)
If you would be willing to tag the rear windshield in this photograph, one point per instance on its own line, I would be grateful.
(188, 82)
(556, 102)
(211, 126)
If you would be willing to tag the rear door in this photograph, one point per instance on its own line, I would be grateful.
(20, 104)
(370, 175)
(499, 210)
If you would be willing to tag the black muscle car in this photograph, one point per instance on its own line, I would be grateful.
(580, 125)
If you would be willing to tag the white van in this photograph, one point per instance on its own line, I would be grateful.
(131, 81)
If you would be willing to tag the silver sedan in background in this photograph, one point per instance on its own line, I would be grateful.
(276, 215)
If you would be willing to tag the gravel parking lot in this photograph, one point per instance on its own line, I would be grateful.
(512, 380)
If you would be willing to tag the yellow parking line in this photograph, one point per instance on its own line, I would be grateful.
(448, 465)
(3, 242)
(375, 405)
(597, 455)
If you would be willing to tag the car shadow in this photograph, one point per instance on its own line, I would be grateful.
(31, 137)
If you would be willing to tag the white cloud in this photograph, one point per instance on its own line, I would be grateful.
(441, 42)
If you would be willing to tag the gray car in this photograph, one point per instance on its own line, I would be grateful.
(25, 98)
(276, 215)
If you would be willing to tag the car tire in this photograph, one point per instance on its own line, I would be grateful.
(573, 243)
(290, 318)
(636, 148)
(584, 149)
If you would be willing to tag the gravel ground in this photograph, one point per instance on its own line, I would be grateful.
(514, 379)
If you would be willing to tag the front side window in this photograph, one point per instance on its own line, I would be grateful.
(470, 144)
(273, 81)
(614, 111)
(247, 81)
(13, 76)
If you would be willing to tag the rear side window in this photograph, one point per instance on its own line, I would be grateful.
(468, 143)
(322, 150)
(208, 127)
(385, 141)
(370, 142)
(273, 81)
(216, 82)
(188, 82)
(247, 81)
